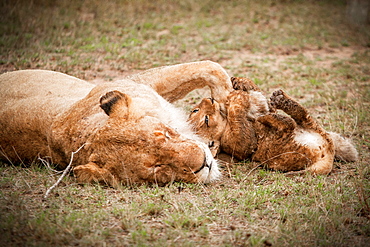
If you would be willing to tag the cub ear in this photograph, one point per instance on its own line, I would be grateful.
(115, 103)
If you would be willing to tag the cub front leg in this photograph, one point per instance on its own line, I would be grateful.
(244, 84)
(257, 98)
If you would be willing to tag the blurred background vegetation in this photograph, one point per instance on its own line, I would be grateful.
(72, 36)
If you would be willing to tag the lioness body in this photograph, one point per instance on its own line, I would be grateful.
(141, 138)
(31, 100)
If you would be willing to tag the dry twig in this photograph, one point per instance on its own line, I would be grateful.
(64, 172)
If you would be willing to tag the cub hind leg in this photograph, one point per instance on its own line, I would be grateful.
(323, 148)
(275, 147)
(278, 122)
(280, 100)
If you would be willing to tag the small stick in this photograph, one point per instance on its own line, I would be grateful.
(47, 165)
(254, 168)
(64, 172)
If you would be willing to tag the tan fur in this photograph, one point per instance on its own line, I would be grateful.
(237, 136)
(295, 142)
(129, 133)
(280, 142)
(176, 81)
(344, 148)
(209, 123)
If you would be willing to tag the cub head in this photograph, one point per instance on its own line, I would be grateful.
(137, 149)
(209, 122)
(234, 131)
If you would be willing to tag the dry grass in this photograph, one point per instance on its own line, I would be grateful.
(304, 47)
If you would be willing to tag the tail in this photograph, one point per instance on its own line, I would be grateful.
(344, 148)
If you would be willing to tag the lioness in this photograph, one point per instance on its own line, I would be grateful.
(127, 132)
(251, 129)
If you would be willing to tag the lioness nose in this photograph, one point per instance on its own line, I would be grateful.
(205, 164)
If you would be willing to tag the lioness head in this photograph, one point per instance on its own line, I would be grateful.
(132, 148)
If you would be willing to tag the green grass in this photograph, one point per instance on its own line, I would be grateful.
(304, 47)
(266, 207)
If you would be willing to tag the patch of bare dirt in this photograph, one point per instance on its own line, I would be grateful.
(324, 57)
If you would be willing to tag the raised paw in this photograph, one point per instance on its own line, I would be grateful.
(278, 99)
(244, 84)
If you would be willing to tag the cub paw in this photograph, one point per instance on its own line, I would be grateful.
(244, 84)
(278, 99)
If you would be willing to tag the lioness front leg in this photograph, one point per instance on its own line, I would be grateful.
(176, 81)
(91, 173)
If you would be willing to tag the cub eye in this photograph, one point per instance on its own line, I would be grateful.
(211, 144)
(206, 120)
(195, 110)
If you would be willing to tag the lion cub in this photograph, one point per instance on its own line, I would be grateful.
(251, 128)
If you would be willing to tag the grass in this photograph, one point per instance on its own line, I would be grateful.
(304, 47)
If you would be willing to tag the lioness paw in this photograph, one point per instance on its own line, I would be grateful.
(91, 173)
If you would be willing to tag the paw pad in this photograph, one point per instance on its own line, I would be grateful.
(277, 98)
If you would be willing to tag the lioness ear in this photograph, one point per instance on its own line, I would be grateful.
(115, 103)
